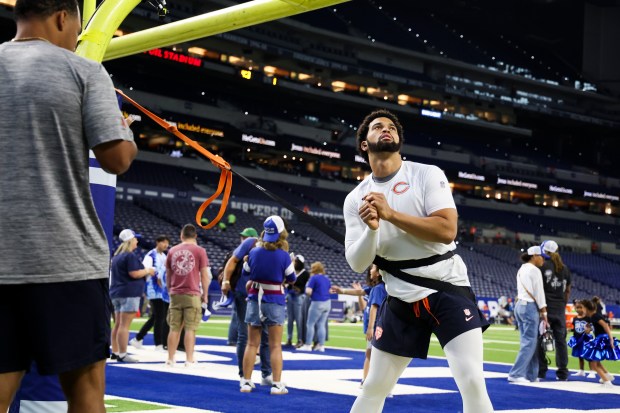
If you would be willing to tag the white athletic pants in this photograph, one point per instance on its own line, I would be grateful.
(464, 354)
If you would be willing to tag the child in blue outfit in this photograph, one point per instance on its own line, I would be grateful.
(376, 293)
(580, 336)
(603, 347)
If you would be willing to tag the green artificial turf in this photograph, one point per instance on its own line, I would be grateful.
(501, 342)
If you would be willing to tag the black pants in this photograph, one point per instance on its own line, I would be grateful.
(157, 320)
(557, 320)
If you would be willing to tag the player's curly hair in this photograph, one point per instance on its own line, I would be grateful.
(362, 130)
(25, 9)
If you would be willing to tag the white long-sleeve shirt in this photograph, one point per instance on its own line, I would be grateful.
(418, 190)
(530, 277)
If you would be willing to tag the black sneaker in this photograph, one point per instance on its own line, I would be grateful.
(113, 356)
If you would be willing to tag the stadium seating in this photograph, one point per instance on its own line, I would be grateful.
(492, 268)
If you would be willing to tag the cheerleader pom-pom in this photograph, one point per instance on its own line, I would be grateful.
(572, 342)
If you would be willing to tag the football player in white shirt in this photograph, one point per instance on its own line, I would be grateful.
(405, 211)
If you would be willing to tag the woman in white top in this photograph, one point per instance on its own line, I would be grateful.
(530, 309)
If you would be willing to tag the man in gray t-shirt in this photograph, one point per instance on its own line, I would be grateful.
(54, 108)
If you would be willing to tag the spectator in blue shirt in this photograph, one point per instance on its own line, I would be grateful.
(127, 285)
(318, 289)
(249, 240)
(269, 265)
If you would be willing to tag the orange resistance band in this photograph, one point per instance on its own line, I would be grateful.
(225, 183)
(427, 306)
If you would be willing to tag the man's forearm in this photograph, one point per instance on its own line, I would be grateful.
(434, 228)
(361, 253)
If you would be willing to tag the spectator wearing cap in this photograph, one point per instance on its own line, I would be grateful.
(295, 298)
(249, 239)
(557, 285)
(126, 288)
(270, 266)
(529, 311)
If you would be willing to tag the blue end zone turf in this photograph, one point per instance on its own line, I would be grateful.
(329, 382)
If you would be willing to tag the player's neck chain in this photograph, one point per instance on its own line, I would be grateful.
(28, 39)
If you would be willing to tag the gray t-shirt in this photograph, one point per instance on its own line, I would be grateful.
(54, 107)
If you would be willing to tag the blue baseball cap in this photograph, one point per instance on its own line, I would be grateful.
(225, 301)
(273, 226)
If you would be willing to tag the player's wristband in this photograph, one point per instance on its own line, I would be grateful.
(225, 282)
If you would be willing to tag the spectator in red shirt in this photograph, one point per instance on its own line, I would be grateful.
(187, 267)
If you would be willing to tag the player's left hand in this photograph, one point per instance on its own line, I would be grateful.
(378, 201)
(369, 215)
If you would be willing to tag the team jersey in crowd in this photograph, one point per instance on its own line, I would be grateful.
(271, 268)
(156, 284)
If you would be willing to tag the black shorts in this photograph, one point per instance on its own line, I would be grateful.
(404, 329)
(60, 326)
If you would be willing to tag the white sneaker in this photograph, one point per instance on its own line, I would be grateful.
(592, 375)
(246, 386)
(305, 347)
(607, 383)
(580, 373)
(257, 360)
(160, 349)
(135, 343)
(127, 359)
(170, 363)
(242, 381)
(279, 389)
(190, 364)
(518, 379)
(608, 378)
(319, 348)
(267, 381)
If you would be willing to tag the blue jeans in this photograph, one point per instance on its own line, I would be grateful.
(294, 305)
(317, 316)
(242, 338)
(233, 327)
(526, 364)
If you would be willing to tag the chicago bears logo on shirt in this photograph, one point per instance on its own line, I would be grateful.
(400, 188)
